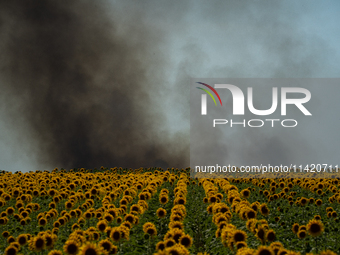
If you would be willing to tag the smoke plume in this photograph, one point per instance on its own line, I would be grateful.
(85, 86)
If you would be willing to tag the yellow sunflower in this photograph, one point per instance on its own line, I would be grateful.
(185, 240)
(71, 247)
(22, 239)
(161, 213)
(38, 243)
(115, 234)
(315, 227)
(90, 248)
(106, 245)
(11, 250)
(264, 250)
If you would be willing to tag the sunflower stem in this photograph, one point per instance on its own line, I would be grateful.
(316, 244)
(119, 246)
(149, 245)
(161, 226)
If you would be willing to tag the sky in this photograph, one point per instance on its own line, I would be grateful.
(107, 83)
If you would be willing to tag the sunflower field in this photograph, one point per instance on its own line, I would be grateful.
(153, 211)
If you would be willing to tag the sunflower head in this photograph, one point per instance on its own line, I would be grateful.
(152, 231)
(115, 234)
(5, 234)
(295, 228)
(22, 239)
(261, 233)
(264, 250)
(108, 217)
(106, 245)
(240, 245)
(38, 243)
(302, 234)
(176, 234)
(251, 225)
(250, 214)
(264, 210)
(16, 245)
(90, 249)
(135, 209)
(176, 224)
(42, 222)
(169, 242)
(210, 209)
(303, 201)
(245, 193)
(315, 227)
(185, 240)
(276, 246)
(114, 249)
(317, 217)
(71, 247)
(160, 246)
(11, 250)
(318, 202)
(161, 213)
(176, 249)
(49, 240)
(270, 235)
(212, 199)
(239, 236)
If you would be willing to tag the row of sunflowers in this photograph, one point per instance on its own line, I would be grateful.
(152, 211)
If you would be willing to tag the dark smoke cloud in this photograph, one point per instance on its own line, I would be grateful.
(86, 85)
(91, 83)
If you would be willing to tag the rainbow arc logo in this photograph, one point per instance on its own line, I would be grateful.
(208, 92)
(204, 97)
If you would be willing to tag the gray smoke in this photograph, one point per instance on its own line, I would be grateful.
(85, 85)
(92, 83)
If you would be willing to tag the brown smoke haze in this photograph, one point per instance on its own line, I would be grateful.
(84, 86)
